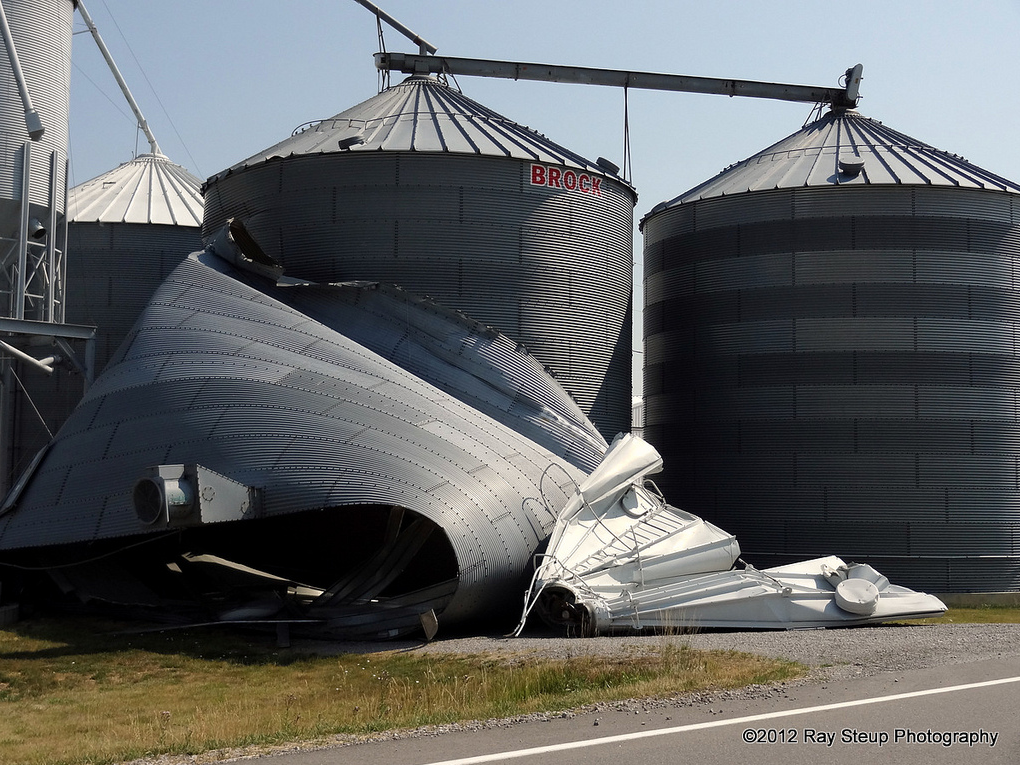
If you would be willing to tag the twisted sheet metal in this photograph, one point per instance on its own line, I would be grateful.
(222, 372)
(468, 360)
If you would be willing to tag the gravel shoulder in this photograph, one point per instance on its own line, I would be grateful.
(830, 653)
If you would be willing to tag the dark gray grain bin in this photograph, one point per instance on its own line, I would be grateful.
(831, 355)
(128, 229)
(422, 187)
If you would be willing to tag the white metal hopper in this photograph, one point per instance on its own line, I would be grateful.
(621, 558)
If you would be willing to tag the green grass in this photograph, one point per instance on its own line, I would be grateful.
(70, 692)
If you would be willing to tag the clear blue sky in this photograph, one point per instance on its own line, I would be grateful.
(219, 80)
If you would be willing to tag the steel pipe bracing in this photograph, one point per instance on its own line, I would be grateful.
(33, 123)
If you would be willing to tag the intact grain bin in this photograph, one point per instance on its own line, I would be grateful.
(41, 32)
(424, 188)
(128, 229)
(831, 355)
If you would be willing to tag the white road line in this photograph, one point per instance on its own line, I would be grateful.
(518, 753)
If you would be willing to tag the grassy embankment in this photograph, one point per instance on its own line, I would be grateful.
(70, 692)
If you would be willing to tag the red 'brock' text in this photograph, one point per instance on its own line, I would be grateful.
(558, 178)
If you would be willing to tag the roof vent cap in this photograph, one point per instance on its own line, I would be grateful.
(350, 141)
(851, 165)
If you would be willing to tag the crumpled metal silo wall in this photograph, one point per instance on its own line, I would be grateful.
(470, 361)
(225, 388)
(830, 360)
(424, 188)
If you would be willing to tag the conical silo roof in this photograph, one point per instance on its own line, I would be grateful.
(148, 189)
(845, 148)
(421, 114)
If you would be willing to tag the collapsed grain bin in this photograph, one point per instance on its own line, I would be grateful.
(259, 451)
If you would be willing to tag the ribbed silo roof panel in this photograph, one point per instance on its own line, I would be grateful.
(812, 157)
(148, 189)
(422, 114)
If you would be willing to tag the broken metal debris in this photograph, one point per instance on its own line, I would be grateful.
(621, 558)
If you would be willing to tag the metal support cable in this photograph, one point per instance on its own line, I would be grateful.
(28, 397)
(142, 124)
(384, 76)
(424, 46)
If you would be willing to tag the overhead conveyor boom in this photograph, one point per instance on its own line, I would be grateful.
(844, 97)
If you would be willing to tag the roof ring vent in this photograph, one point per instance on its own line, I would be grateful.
(851, 166)
(609, 167)
(354, 140)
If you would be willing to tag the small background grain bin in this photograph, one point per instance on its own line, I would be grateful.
(127, 230)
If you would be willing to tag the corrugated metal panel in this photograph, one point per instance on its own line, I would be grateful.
(231, 373)
(816, 302)
(974, 269)
(751, 337)
(851, 267)
(983, 504)
(852, 401)
(962, 335)
(851, 333)
(873, 410)
(42, 35)
(550, 267)
(983, 471)
(938, 402)
(963, 203)
(815, 202)
(148, 189)
(669, 285)
(737, 273)
(750, 403)
(797, 369)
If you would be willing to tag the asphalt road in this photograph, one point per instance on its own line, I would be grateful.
(882, 718)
